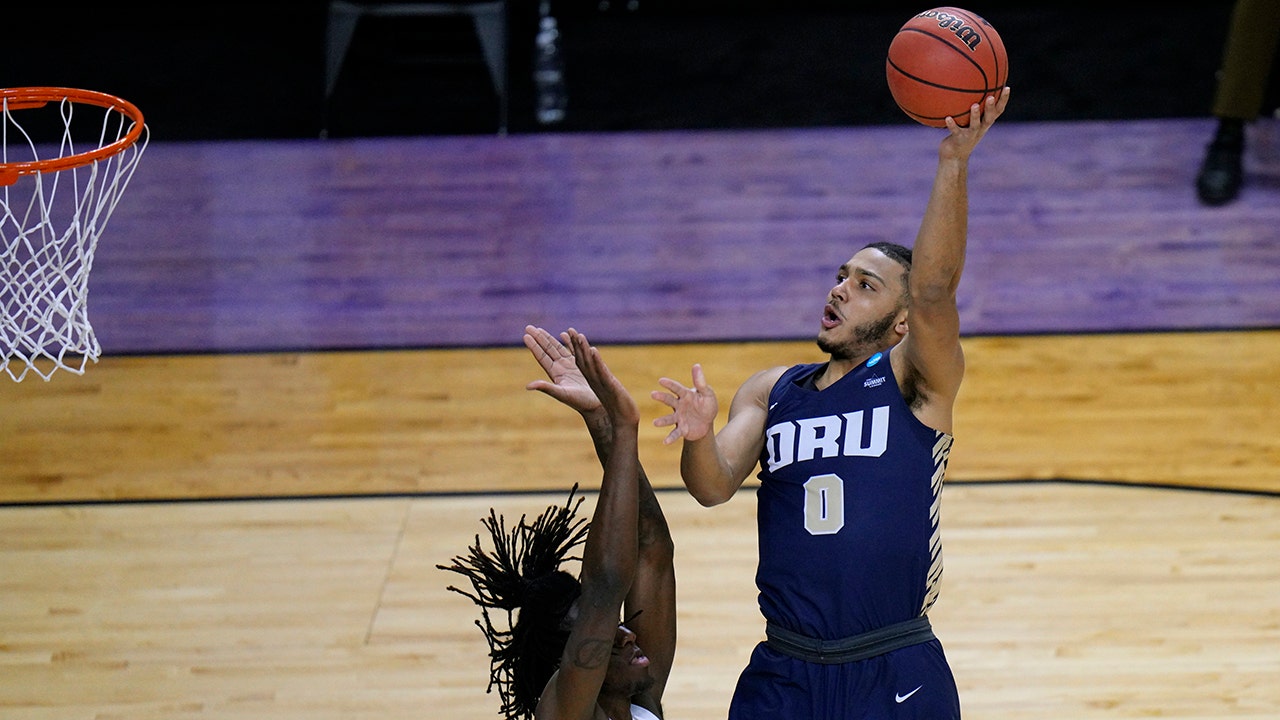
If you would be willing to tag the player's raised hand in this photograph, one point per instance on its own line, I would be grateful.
(693, 409)
(565, 381)
(961, 141)
(605, 386)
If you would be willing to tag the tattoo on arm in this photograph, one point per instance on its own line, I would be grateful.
(592, 653)
(601, 437)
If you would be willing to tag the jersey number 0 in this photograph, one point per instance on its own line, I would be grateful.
(824, 504)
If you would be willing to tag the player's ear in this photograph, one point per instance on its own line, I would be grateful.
(900, 326)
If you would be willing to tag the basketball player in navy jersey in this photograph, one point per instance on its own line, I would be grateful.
(852, 454)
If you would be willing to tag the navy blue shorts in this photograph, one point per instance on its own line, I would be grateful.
(911, 683)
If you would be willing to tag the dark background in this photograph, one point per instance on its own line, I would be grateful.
(257, 70)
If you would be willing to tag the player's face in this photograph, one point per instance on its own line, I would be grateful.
(864, 309)
(628, 665)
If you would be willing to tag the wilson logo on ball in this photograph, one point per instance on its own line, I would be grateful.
(966, 34)
(941, 62)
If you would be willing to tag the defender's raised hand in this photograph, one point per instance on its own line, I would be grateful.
(604, 385)
(566, 382)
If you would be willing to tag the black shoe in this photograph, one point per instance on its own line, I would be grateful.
(1221, 175)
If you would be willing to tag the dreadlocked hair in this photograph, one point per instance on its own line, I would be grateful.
(522, 576)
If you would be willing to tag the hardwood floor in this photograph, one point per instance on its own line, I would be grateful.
(431, 242)
(1191, 409)
(312, 389)
(1058, 601)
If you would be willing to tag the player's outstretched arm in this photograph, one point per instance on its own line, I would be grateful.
(930, 353)
(713, 464)
(609, 556)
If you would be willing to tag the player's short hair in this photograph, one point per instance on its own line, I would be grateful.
(900, 254)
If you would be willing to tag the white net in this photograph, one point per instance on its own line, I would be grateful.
(50, 222)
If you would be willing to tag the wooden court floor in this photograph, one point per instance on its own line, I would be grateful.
(1198, 409)
(228, 533)
(1059, 600)
(255, 536)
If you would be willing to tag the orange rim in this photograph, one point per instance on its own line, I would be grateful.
(34, 97)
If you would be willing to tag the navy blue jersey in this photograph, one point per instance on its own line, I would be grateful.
(848, 504)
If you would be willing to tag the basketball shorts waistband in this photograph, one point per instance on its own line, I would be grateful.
(849, 649)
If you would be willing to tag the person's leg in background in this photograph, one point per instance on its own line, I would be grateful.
(1247, 61)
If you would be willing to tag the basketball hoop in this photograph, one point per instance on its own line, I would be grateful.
(66, 157)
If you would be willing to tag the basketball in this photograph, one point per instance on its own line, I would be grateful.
(941, 62)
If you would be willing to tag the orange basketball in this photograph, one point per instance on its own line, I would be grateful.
(941, 62)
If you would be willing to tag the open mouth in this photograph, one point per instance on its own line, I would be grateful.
(829, 317)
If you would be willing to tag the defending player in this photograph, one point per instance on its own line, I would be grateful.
(567, 656)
